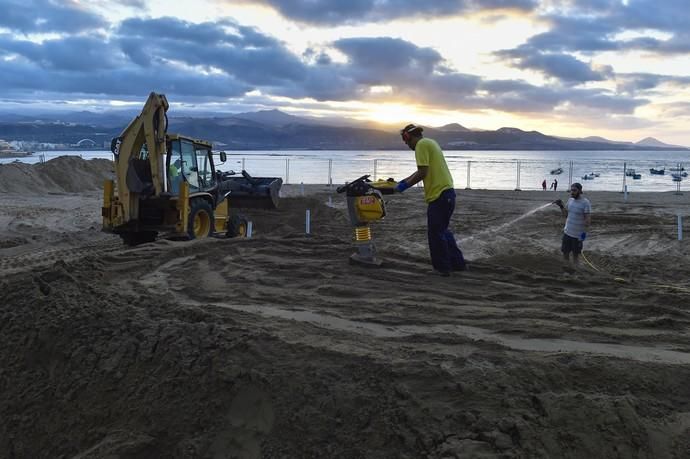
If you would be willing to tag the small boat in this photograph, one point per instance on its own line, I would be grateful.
(557, 171)
(630, 172)
(679, 175)
(588, 177)
(596, 174)
(677, 169)
(637, 176)
(657, 171)
(677, 178)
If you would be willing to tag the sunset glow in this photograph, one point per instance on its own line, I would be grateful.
(617, 69)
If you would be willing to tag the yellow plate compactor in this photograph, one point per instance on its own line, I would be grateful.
(365, 205)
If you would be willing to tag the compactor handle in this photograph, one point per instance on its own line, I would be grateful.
(343, 188)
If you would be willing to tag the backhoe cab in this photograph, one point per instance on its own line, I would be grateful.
(169, 183)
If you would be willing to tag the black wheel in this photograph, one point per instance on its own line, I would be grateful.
(237, 226)
(141, 237)
(200, 219)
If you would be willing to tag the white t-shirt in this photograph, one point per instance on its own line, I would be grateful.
(577, 209)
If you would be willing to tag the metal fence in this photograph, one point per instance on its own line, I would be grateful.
(499, 174)
(601, 175)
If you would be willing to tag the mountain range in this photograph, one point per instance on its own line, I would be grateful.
(277, 130)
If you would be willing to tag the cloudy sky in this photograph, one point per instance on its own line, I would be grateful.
(615, 68)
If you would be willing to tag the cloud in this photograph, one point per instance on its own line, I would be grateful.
(590, 26)
(606, 102)
(242, 52)
(216, 61)
(638, 82)
(585, 34)
(24, 78)
(337, 12)
(560, 66)
(676, 109)
(678, 44)
(388, 54)
(522, 97)
(32, 16)
(69, 53)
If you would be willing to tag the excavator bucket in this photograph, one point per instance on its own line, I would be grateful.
(252, 192)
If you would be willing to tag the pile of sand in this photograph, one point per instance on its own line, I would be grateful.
(63, 174)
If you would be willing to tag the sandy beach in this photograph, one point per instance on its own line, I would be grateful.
(277, 347)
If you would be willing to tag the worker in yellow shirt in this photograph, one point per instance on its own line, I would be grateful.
(174, 172)
(440, 197)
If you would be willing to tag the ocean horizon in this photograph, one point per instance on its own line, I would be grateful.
(488, 169)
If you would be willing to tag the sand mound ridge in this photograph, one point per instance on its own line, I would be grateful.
(69, 174)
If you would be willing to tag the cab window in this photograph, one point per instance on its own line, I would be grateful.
(175, 167)
(203, 157)
(190, 170)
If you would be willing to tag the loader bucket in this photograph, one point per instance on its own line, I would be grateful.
(253, 192)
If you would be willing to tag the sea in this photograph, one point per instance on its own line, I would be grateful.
(499, 170)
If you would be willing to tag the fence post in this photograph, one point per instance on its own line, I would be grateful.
(680, 178)
(287, 171)
(570, 174)
(376, 164)
(625, 172)
(517, 188)
(330, 172)
(243, 168)
(469, 166)
(680, 227)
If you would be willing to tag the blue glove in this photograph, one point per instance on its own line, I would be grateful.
(401, 186)
(583, 236)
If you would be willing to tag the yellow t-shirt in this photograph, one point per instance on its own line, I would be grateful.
(438, 179)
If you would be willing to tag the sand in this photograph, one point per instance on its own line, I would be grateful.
(277, 347)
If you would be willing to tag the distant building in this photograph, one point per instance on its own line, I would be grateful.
(84, 143)
(8, 151)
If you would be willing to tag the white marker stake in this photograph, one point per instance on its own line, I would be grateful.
(330, 202)
(301, 187)
(250, 226)
(680, 228)
(625, 193)
(307, 222)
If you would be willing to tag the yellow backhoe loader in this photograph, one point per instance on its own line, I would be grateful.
(168, 183)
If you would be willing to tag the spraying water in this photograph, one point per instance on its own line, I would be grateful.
(506, 225)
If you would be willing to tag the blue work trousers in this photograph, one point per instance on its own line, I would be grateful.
(445, 253)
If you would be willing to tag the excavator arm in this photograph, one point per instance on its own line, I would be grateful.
(140, 156)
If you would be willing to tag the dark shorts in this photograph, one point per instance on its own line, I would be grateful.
(571, 244)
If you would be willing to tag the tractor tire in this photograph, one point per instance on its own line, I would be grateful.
(200, 219)
(237, 226)
(141, 237)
